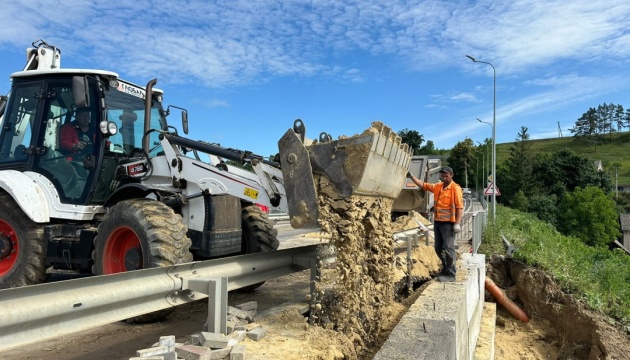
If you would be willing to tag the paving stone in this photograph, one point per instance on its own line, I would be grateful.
(195, 339)
(251, 326)
(257, 333)
(236, 337)
(168, 341)
(229, 325)
(238, 352)
(152, 351)
(250, 305)
(213, 340)
(220, 353)
(241, 314)
(192, 352)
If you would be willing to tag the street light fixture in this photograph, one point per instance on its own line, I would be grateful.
(494, 143)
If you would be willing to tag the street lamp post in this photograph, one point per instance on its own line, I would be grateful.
(494, 143)
(486, 146)
(483, 160)
(477, 172)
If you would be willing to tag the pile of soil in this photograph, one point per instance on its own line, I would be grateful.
(410, 221)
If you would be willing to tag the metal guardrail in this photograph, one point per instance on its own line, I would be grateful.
(473, 224)
(38, 312)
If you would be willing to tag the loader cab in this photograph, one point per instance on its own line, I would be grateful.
(40, 128)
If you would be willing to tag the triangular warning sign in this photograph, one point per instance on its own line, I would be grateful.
(491, 189)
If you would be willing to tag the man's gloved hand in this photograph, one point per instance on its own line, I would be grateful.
(408, 175)
(457, 228)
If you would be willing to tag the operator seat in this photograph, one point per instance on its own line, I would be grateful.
(64, 173)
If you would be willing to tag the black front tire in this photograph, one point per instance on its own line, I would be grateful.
(26, 265)
(258, 235)
(139, 234)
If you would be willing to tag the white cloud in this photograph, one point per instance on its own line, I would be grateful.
(224, 44)
(213, 103)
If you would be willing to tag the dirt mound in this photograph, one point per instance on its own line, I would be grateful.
(407, 222)
(585, 334)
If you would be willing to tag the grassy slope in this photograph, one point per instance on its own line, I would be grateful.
(598, 276)
(616, 151)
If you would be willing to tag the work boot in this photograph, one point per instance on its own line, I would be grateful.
(446, 278)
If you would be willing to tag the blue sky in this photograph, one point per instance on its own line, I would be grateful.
(245, 70)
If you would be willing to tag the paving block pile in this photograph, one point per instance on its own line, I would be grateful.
(209, 346)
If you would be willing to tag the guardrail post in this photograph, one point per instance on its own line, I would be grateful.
(315, 274)
(409, 263)
(217, 305)
(217, 292)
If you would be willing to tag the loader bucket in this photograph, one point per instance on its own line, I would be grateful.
(373, 164)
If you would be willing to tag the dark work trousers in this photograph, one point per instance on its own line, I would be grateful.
(445, 246)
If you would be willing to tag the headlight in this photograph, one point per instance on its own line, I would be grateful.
(112, 128)
(108, 128)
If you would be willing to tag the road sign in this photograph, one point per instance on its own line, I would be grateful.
(491, 189)
(490, 177)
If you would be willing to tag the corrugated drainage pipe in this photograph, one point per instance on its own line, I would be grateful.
(502, 299)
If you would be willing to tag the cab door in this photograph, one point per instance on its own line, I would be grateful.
(70, 173)
(18, 126)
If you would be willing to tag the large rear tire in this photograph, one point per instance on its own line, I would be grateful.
(139, 234)
(22, 249)
(258, 235)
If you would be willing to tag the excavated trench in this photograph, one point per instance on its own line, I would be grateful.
(578, 332)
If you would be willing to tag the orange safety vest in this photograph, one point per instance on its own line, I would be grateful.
(447, 200)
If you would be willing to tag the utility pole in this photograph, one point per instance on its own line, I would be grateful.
(616, 188)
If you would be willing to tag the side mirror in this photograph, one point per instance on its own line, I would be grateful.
(81, 91)
(185, 121)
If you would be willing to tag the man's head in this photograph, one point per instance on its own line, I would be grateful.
(446, 174)
(83, 116)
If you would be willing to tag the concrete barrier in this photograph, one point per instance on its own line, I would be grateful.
(444, 321)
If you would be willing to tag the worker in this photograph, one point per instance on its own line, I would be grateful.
(448, 210)
(77, 137)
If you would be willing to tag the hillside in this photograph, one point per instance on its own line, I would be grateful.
(614, 151)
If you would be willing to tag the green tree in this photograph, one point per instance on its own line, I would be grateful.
(563, 169)
(587, 128)
(483, 156)
(519, 201)
(596, 122)
(516, 172)
(589, 215)
(428, 148)
(412, 138)
(545, 207)
(619, 118)
(460, 159)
